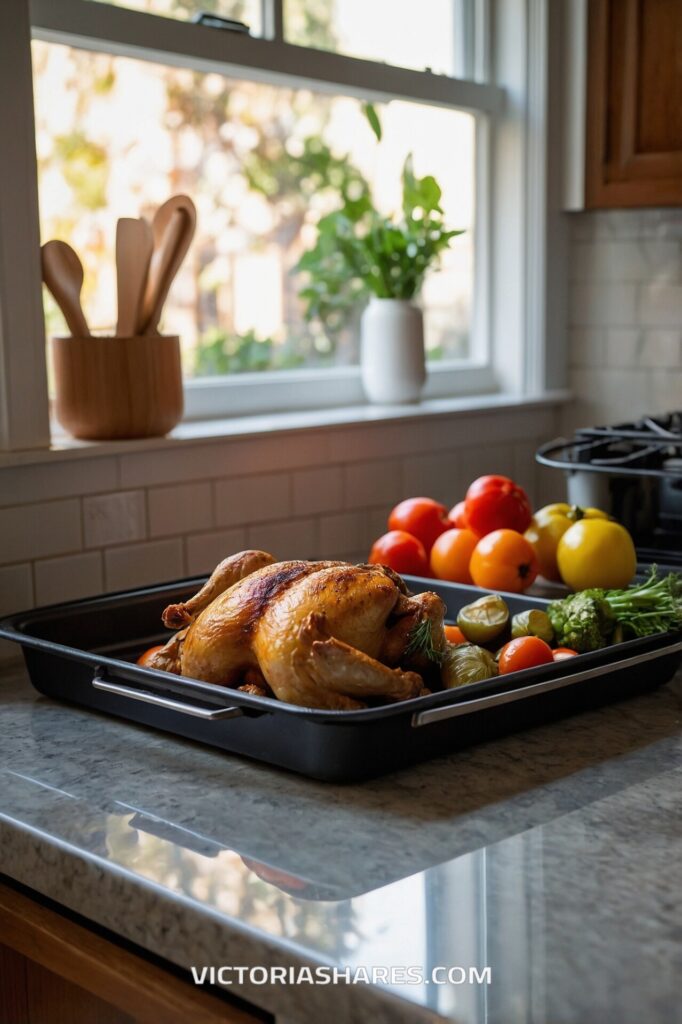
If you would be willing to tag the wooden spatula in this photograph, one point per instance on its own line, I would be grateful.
(134, 246)
(173, 227)
(63, 275)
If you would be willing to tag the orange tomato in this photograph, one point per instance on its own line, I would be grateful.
(504, 560)
(526, 652)
(145, 658)
(451, 554)
(454, 635)
(402, 552)
(458, 517)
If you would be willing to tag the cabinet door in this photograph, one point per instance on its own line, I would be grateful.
(634, 103)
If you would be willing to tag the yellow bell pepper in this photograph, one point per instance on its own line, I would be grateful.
(548, 526)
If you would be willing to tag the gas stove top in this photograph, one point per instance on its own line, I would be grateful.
(632, 470)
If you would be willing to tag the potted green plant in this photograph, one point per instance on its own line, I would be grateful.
(362, 255)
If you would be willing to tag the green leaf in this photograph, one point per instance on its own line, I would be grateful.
(370, 113)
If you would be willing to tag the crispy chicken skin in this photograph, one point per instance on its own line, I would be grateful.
(317, 634)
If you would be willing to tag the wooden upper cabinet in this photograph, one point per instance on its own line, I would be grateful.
(634, 103)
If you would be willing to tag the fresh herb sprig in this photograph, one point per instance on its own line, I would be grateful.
(654, 606)
(420, 641)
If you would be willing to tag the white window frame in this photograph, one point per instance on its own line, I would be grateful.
(506, 88)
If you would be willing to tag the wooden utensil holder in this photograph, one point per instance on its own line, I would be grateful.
(109, 388)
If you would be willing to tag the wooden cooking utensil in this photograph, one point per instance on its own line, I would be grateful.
(173, 227)
(63, 275)
(134, 246)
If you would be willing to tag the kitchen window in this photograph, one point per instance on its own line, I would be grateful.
(262, 129)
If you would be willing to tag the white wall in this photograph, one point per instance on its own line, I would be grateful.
(625, 315)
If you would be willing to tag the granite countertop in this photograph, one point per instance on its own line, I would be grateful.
(552, 857)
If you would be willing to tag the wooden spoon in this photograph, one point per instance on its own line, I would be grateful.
(173, 226)
(134, 246)
(63, 275)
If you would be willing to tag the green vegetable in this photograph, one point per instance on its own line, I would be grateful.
(591, 619)
(360, 252)
(466, 663)
(532, 623)
(483, 620)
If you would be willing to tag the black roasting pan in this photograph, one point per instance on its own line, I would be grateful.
(84, 652)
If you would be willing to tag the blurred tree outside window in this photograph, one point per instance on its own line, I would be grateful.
(116, 137)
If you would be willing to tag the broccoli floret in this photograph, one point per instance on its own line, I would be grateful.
(586, 621)
(582, 621)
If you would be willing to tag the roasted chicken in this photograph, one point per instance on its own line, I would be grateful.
(317, 634)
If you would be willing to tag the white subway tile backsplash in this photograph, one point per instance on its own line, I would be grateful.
(138, 565)
(586, 346)
(625, 362)
(317, 490)
(182, 508)
(250, 499)
(224, 458)
(67, 579)
(616, 262)
(666, 390)
(206, 550)
(436, 476)
(21, 485)
(40, 530)
(373, 483)
(291, 539)
(114, 518)
(16, 589)
(341, 533)
(662, 350)
(603, 305)
(660, 305)
(623, 347)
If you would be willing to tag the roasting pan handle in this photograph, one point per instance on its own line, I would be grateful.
(466, 707)
(207, 714)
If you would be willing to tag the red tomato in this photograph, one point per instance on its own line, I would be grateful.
(561, 653)
(402, 552)
(144, 658)
(458, 517)
(497, 503)
(526, 652)
(454, 635)
(450, 555)
(504, 560)
(424, 518)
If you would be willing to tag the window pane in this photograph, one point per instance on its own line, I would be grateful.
(116, 137)
(246, 11)
(391, 31)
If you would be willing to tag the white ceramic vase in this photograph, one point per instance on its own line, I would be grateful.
(392, 351)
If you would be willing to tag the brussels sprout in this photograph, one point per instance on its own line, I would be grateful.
(532, 623)
(466, 663)
(483, 620)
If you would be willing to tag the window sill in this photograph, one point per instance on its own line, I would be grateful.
(64, 447)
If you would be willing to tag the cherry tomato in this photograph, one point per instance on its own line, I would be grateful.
(458, 517)
(504, 560)
(402, 552)
(454, 635)
(450, 555)
(562, 653)
(424, 518)
(497, 503)
(145, 658)
(526, 652)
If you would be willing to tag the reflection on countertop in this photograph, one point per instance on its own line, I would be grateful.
(551, 856)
